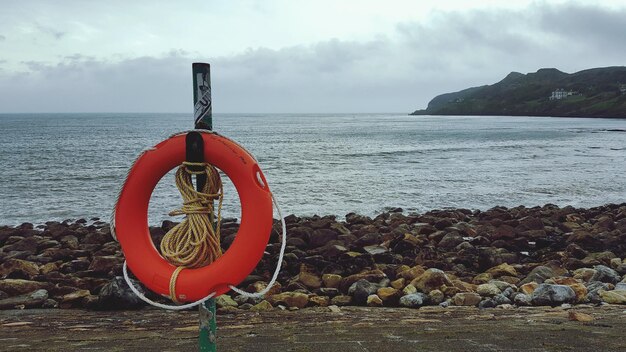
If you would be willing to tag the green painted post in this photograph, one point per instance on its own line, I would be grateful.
(203, 119)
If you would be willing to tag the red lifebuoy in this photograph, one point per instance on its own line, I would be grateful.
(131, 219)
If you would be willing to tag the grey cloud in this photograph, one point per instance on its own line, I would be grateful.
(2, 38)
(595, 27)
(396, 73)
(57, 34)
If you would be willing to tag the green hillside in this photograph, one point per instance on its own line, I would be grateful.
(598, 92)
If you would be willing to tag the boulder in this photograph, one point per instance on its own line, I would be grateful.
(30, 300)
(261, 306)
(584, 274)
(374, 301)
(522, 299)
(18, 268)
(74, 296)
(605, 274)
(388, 294)
(613, 297)
(361, 289)
(435, 297)
(370, 275)
(225, 301)
(19, 286)
(398, 284)
(290, 299)
(321, 237)
(309, 279)
(579, 288)
(553, 295)
(409, 289)
(414, 300)
(593, 291)
(105, 264)
(331, 280)
(487, 290)
(341, 300)
(466, 299)
(539, 275)
(502, 269)
(482, 278)
(412, 273)
(116, 295)
(320, 301)
(431, 279)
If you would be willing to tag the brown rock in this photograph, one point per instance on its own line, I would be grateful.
(431, 279)
(309, 278)
(341, 300)
(482, 278)
(529, 288)
(30, 300)
(105, 264)
(584, 274)
(502, 269)
(370, 275)
(69, 241)
(321, 237)
(409, 289)
(261, 306)
(464, 286)
(510, 279)
(436, 297)
(466, 299)
(388, 293)
(259, 286)
(290, 299)
(402, 268)
(488, 290)
(412, 273)
(398, 284)
(321, 301)
(222, 301)
(578, 316)
(613, 297)
(374, 301)
(18, 286)
(78, 294)
(331, 280)
(19, 267)
(48, 268)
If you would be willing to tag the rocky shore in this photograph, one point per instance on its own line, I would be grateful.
(506, 258)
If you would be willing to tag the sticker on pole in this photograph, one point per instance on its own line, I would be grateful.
(202, 108)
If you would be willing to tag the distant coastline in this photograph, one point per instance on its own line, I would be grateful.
(598, 92)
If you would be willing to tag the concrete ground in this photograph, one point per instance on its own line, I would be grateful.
(319, 329)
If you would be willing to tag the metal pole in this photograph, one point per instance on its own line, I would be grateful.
(203, 119)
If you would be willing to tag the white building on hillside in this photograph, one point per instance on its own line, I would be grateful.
(560, 93)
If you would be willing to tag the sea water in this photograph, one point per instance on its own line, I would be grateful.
(60, 166)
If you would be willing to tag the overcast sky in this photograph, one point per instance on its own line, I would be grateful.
(288, 56)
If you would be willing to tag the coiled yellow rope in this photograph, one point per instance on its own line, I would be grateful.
(195, 242)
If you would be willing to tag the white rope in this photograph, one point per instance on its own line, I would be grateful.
(211, 295)
(157, 304)
(278, 265)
